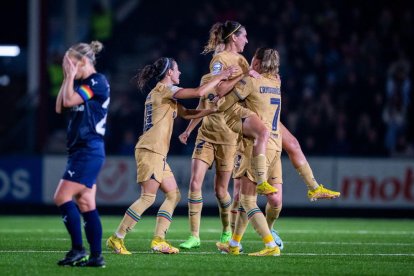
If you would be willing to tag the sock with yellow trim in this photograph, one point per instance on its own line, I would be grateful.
(256, 217)
(164, 215)
(240, 227)
(133, 214)
(306, 173)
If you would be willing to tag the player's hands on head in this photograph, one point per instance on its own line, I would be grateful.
(69, 67)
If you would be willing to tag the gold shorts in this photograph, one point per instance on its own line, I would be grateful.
(208, 152)
(243, 166)
(151, 165)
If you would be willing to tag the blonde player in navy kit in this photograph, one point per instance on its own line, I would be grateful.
(86, 93)
(153, 171)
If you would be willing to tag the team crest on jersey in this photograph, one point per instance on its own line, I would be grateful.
(217, 67)
(93, 82)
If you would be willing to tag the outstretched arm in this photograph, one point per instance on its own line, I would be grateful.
(193, 123)
(224, 87)
(188, 93)
(189, 114)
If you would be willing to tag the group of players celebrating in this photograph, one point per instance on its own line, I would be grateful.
(240, 132)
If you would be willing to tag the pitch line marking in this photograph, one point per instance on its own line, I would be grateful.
(218, 253)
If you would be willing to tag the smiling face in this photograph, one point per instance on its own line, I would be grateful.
(175, 74)
(240, 40)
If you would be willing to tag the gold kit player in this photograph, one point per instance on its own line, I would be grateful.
(153, 171)
(262, 96)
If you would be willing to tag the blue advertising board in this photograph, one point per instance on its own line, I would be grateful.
(20, 180)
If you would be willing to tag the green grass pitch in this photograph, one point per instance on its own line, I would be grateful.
(31, 245)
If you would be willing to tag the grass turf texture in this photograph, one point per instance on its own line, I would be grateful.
(31, 245)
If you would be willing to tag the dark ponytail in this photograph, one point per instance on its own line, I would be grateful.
(156, 70)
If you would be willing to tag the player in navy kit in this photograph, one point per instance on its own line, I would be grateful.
(86, 94)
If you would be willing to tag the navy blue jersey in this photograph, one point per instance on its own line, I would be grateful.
(88, 120)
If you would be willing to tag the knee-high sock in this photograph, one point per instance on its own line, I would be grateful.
(71, 219)
(164, 215)
(224, 208)
(259, 168)
(306, 173)
(241, 225)
(257, 218)
(272, 214)
(93, 231)
(195, 205)
(133, 214)
(233, 213)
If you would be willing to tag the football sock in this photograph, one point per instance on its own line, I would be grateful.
(71, 219)
(133, 214)
(306, 173)
(195, 205)
(164, 215)
(256, 217)
(93, 231)
(233, 214)
(241, 222)
(272, 214)
(259, 168)
(224, 209)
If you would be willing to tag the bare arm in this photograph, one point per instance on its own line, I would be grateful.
(193, 123)
(224, 87)
(189, 114)
(188, 93)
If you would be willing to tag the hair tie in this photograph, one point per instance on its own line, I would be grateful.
(235, 30)
(165, 68)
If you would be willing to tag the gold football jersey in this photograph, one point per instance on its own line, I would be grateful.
(160, 112)
(225, 59)
(214, 128)
(263, 97)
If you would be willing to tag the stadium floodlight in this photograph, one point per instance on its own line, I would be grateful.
(9, 50)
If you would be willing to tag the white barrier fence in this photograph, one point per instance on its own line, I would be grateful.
(365, 183)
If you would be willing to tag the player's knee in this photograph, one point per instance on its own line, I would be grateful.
(220, 192)
(148, 199)
(248, 202)
(292, 145)
(195, 184)
(173, 196)
(86, 204)
(275, 200)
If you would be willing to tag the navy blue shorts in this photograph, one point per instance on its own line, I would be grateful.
(83, 166)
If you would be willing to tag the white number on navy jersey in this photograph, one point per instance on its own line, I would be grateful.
(100, 126)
